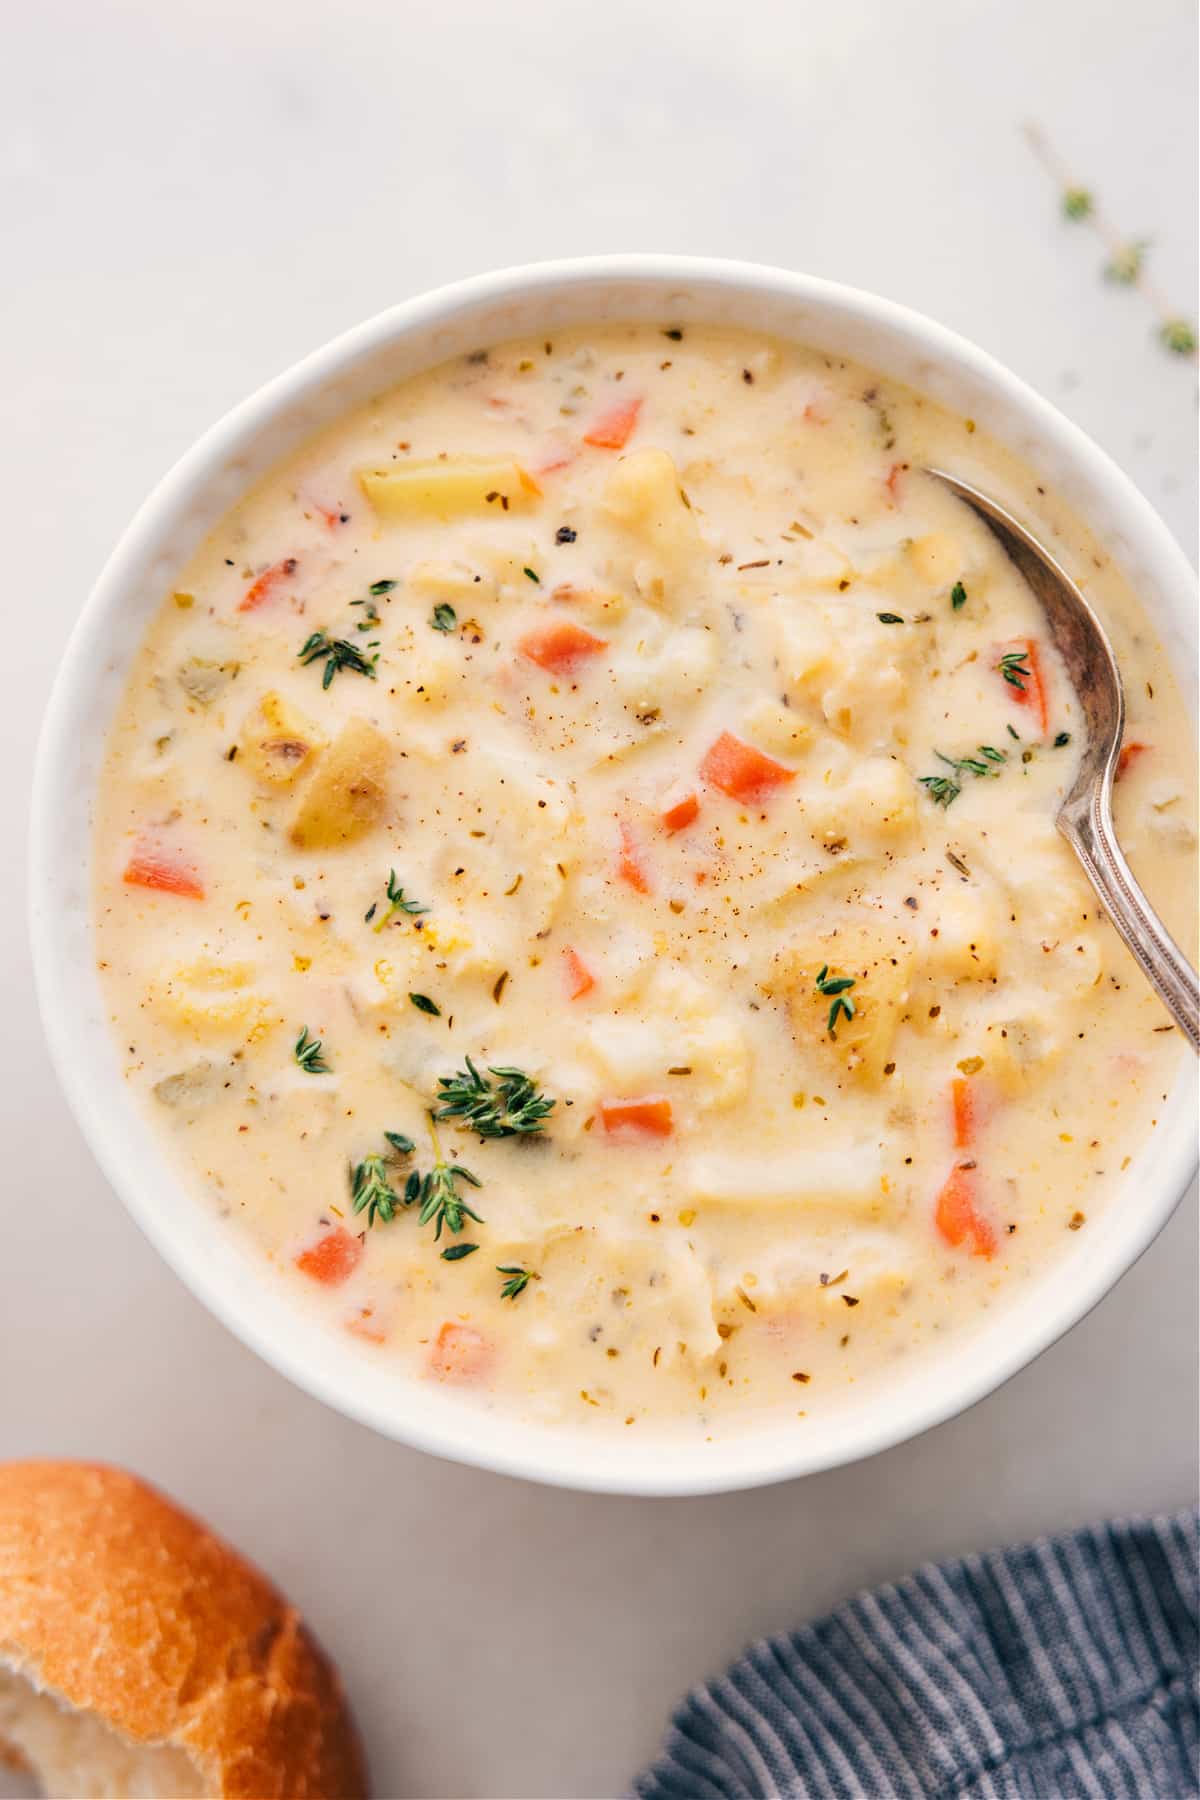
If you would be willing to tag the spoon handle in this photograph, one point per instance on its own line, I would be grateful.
(1090, 833)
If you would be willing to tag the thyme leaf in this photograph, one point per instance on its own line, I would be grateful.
(309, 1055)
(1015, 669)
(371, 1189)
(337, 654)
(397, 903)
(508, 1106)
(518, 1279)
(838, 986)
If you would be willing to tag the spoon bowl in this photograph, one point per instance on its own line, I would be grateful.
(1085, 816)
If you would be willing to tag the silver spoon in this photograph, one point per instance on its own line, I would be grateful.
(1085, 816)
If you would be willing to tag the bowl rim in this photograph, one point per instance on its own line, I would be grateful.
(653, 1471)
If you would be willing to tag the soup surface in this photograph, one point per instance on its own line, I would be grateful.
(576, 881)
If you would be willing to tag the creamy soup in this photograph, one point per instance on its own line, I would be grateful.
(577, 883)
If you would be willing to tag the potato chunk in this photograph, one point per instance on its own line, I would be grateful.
(447, 488)
(278, 742)
(879, 964)
(211, 998)
(347, 795)
(644, 497)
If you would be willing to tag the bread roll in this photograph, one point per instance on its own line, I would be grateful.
(141, 1656)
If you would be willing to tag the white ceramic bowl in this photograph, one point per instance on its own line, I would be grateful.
(235, 1284)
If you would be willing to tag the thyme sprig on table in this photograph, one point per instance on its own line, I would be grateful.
(837, 986)
(397, 903)
(338, 653)
(509, 1106)
(309, 1054)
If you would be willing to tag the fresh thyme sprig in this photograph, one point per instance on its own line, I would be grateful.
(437, 1193)
(509, 1106)
(397, 903)
(309, 1054)
(370, 618)
(1015, 669)
(338, 653)
(1127, 257)
(944, 789)
(518, 1279)
(837, 986)
(371, 1189)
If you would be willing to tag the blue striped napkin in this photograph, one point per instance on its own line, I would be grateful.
(1064, 1668)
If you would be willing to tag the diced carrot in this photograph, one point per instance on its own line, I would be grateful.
(580, 980)
(611, 431)
(892, 484)
(680, 813)
(1026, 688)
(366, 1324)
(632, 1120)
(560, 646)
(460, 1354)
(553, 467)
(958, 1217)
(150, 866)
(268, 583)
(333, 517)
(333, 1258)
(963, 1101)
(629, 862)
(741, 771)
(1129, 753)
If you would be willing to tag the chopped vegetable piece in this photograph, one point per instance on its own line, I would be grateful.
(268, 584)
(631, 1120)
(892, 484)
(1129, 753)
(561, 646)
(1020, 667)
(153, 867)
(741, 771)
(460, 1354)
(612, 430)
(963, 1101)
(333, 1258)
(957, 1216)
(629, 862)
(348, 794)
(580, 980)
(442, 489)
(681, 813)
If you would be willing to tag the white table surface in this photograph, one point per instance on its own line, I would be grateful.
(194, 193)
